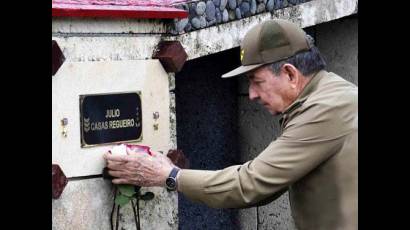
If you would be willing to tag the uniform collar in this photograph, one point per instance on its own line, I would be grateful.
(309, 88)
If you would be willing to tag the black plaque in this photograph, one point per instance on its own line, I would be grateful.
(110, 118)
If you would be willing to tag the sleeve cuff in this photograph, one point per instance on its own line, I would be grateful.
(189, 185)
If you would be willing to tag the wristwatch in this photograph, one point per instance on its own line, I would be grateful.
(171, 181)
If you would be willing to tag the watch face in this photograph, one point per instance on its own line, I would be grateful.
(170, 182)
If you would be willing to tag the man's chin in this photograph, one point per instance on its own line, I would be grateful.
(273, 113)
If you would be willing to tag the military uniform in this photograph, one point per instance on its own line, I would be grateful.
(315, 158)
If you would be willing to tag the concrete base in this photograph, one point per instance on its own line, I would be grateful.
(83, 205)
(87, 205)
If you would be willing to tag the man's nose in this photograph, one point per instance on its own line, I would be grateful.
(252, 94)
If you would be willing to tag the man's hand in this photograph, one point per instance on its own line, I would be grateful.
(139, 168)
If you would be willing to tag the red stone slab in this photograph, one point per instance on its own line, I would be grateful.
(117, 9)
(58, 181)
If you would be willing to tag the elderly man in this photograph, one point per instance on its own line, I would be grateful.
(314, 158)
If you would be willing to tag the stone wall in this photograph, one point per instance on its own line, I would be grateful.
(206, 13)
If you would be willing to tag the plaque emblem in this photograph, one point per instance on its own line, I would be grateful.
(86, 124)
(110, 118)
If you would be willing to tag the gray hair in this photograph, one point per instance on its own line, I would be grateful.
(307, 62)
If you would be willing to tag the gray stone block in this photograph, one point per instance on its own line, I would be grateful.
(293, 2)
(211, 22)
(200, 8)
(218, 15)
(260, 8)
(238, 13)
(278, 4)
(196, 23)
(245, 9)
(253, 7)
(270, 5)
(180, 25)
(188, 27)
(202, 20)
(192, 11)
(232, 15)
(223, 4)
(210, 11)
(192, 8)
(225, 15)
(232, 4)
(217, 3)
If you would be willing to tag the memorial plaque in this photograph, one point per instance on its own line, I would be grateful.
(110, 118)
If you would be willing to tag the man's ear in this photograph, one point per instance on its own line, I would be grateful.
(291, 73)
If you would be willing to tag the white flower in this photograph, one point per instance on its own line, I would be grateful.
(119, 150)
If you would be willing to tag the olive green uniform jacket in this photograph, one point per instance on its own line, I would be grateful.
(315, 159)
